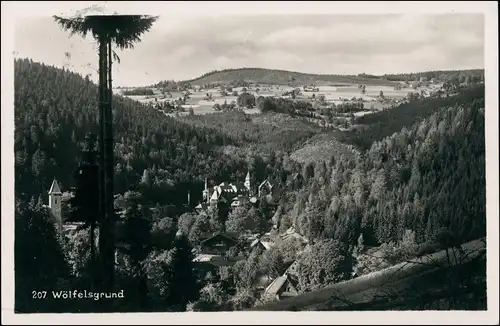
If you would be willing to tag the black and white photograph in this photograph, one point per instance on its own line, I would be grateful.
(184, 157)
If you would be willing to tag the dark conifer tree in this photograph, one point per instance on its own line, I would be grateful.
(184, 282)
(85, 202)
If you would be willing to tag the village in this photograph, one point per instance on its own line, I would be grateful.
(217, 250)
(334, 106)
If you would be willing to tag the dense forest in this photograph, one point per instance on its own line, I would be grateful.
(416, 178)
(54, 109)
(439, 75)
(384, 123)
(272, 133)
(429, 175)
(138, 91)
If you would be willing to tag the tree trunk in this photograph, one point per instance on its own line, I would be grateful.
(102, 54)
(109, 254)
(105, 186)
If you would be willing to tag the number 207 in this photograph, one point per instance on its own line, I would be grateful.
(39, 294)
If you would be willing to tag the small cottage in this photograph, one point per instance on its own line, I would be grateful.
(281, 288)
(218, 244)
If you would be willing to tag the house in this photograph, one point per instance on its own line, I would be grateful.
(210, 261)
(218, 244)
(311, 88)
(259, 243)
(266, 188)
(213, 251)
(202, 208)
(227, 193)
(282, 287)
(239, 200)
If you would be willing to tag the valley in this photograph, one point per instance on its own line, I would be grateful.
(255, 195)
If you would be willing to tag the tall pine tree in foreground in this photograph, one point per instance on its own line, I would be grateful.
(123, 31)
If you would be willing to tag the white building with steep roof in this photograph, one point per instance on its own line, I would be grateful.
(233, 194)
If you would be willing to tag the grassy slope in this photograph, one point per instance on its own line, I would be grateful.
(281, 77)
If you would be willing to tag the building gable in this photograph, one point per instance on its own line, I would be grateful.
(219, 240)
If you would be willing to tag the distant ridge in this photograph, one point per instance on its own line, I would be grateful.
(282, 77)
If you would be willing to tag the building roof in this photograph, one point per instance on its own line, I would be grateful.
(266, 183)
(254, 243)
(276, 285)
(216, 260)
(72, 226)
(266, 244)
(215, 195)
(281, 281)
(205, 258)
(202, 206)
(239, 186)
(219, 235)
(54, 188)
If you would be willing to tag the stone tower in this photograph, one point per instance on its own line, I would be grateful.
(55, 203)
(247, 182)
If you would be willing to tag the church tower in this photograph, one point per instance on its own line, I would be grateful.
(206, 195)
(55, 203)
(247, 182)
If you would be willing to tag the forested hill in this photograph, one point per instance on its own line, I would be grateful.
(54, 109)
(384, 123)
(281, 77)
(428, 176)
(441, 75)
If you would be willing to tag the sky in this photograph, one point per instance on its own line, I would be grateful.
(183, 47)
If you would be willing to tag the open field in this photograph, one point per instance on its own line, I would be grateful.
(196, 101)
(332, 94)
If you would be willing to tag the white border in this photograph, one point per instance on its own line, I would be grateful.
(10, 10)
